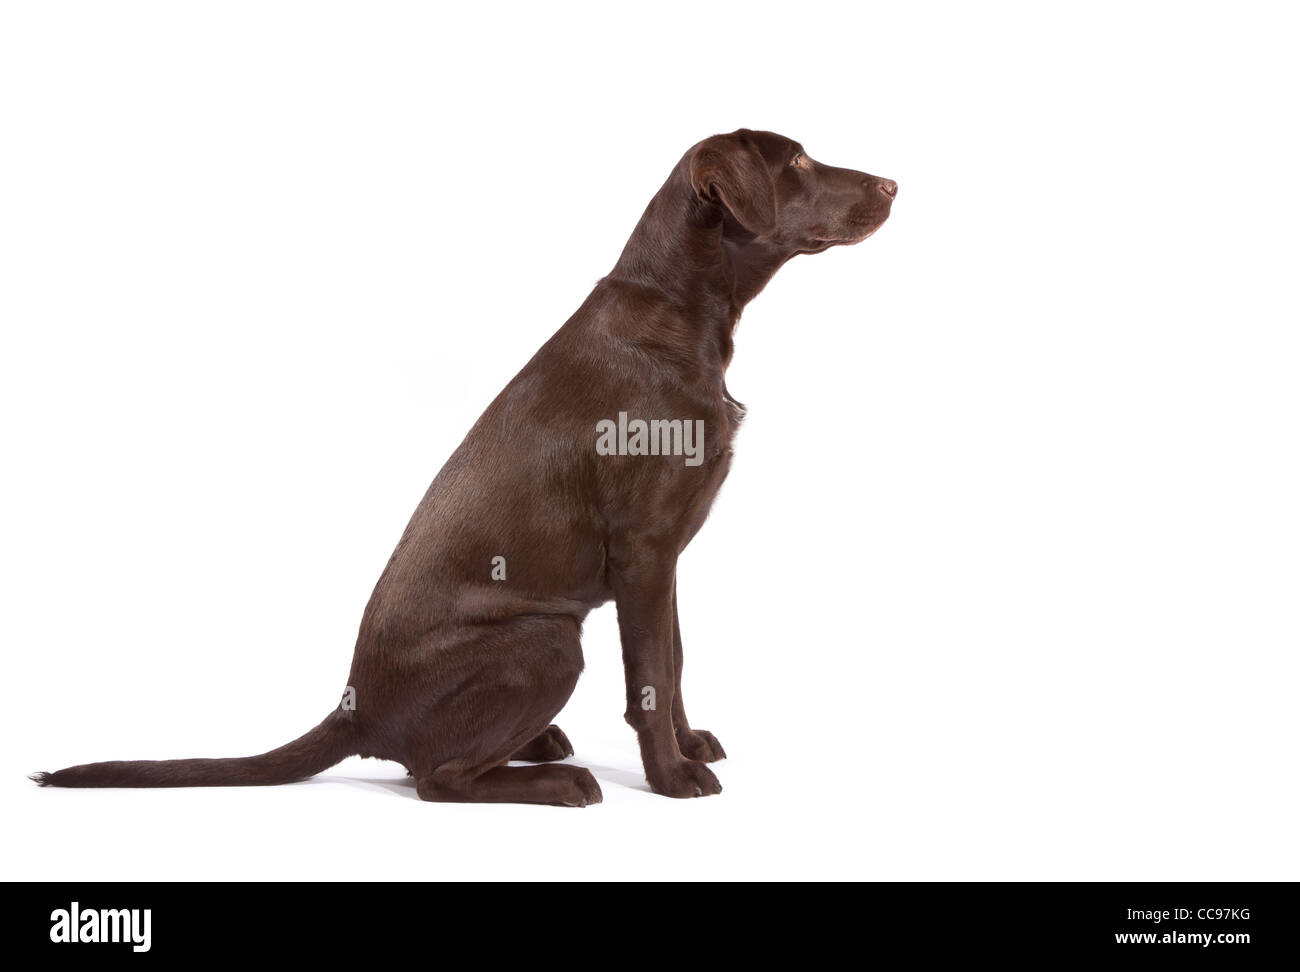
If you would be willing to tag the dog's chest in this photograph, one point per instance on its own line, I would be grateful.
(704, 485)
(734, 411)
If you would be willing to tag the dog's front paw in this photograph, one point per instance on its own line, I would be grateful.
(699, 745)
(686, 778)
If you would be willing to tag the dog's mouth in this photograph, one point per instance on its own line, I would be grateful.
(858, 223)
(821, 245)
(863, 220)
(856, 236)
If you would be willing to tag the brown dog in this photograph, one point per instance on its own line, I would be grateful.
(583, 481)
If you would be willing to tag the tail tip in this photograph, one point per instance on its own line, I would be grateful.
(41, 779)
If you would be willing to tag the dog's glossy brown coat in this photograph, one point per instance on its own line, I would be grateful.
(455, 672)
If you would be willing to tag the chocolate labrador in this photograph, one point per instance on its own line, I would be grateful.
(583, 481)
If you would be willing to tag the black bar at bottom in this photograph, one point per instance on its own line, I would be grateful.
(213, 922)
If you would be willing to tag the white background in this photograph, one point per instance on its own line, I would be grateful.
(1003, 584)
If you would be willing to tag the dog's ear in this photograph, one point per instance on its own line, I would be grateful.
(729, 169)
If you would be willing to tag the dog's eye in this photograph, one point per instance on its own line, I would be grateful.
(800, 161)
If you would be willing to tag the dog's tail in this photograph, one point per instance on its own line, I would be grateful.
(329, 743)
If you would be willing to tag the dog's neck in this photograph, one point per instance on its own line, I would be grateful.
(700, 259)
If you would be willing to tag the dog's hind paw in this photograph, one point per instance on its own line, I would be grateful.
(549, 746)
(588, 791)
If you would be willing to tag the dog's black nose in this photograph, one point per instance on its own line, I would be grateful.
(888, 186)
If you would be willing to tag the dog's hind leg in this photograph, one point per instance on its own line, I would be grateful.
(560, 786)
(523, 671)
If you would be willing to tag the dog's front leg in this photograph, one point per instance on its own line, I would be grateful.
(643, 580)
(694, 743)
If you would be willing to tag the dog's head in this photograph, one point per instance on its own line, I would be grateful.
(769, 189)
